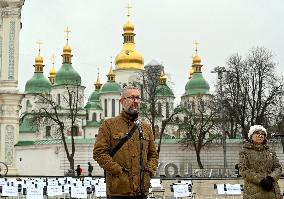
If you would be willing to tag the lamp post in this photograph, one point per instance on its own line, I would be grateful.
(220, 70)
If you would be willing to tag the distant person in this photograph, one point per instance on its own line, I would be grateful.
(90, 169)
(79, 170)
(259, 167)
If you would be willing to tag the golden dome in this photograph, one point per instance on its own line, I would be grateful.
(52, 71)
(196, 60)
(129, 58)
(163, 78)
(67, 49)
(38, 60)
(98, 81)
(163, 75)
(128, 27)
(191, 72)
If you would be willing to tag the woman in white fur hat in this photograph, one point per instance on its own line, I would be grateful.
(259, 167)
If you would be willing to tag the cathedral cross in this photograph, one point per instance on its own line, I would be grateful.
(39, 43)
(196, 45)
(52, 58)
(67, 31)
(128, 10)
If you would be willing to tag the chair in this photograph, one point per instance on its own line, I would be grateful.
(156, 189)
(228, 190)
(186, 187)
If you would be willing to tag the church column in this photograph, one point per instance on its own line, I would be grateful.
(10, 98)
(10, 26)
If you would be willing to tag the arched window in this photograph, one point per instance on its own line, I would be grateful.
(193, 107)
(201, 103)
(159, 108)
(185, 119)
(47, 131)
(105, 107)
(27, 104)
(142, 91)
(58, 99)
(87, 115)
(113, 107)
(75, 130)
(167, 110)
(94, 117)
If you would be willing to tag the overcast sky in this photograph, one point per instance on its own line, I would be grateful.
(165, 31)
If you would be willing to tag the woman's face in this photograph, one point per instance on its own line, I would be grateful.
(258, 137)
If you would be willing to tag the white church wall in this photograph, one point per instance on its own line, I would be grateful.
(109, 97)
(126, 76)
(61, 92)
(91, 132)
(37, 160)
(27, 136)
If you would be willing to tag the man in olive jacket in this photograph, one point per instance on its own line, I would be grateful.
(123, 169)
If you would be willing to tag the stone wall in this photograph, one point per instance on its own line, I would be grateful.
(185, 160)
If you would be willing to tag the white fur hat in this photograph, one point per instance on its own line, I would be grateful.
(256, 128)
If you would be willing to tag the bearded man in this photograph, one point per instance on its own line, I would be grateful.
(123, 169)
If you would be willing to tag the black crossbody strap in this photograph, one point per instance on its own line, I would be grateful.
(123, 140)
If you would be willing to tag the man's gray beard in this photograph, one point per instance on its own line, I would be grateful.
(133, 111)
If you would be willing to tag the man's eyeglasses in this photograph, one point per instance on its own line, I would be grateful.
(133, 98)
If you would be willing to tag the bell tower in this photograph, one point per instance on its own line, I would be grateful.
(10, 98)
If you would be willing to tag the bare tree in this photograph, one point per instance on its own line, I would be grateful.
(251, 90)
(200, 128)
(152, 102)
(64, 115)
(150, 82)
(178, 110)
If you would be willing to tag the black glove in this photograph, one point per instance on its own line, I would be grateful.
(271, 179)
(267, 183)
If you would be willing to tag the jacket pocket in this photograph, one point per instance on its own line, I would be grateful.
(120, 183)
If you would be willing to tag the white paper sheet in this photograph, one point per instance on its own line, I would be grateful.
(181, 190)
(156, 183)
(78, 192)
(100, 190)
(54, 190)
(34, 193)
(10, 191)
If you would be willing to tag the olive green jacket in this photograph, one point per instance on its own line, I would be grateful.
(123, 169)
(256, 163)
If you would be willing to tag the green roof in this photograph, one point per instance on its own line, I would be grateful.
(38, 84)
(93, 105)
(55, 141)
(27, 126)
(92, 141)
(164, 91)
(95, 96)
(197, 85)
(111, 87)
(93, 124)
(167, 136)
(67, 75)
(25, 143)
(94, 101)
(168, 141)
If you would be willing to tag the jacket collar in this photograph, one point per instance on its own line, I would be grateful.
(257, 147)
(127, 117)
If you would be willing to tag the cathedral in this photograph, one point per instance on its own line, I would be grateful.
(31, 149)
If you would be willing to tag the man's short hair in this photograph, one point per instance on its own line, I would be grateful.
(126, 88)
